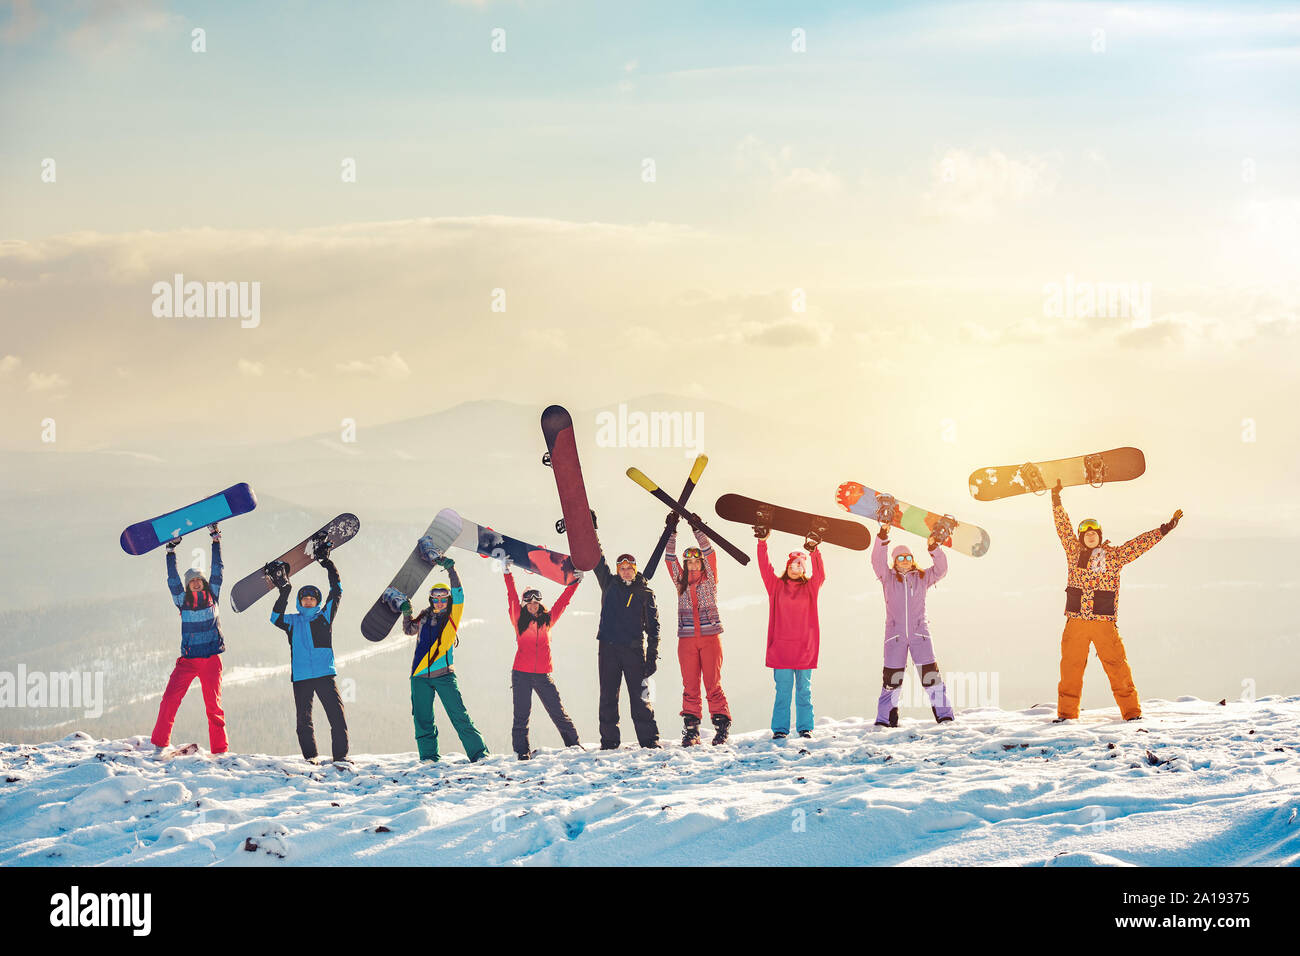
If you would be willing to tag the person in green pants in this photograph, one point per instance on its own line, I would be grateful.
(432, 672)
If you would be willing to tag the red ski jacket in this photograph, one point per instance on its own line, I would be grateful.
(534, 653)
(793, 634)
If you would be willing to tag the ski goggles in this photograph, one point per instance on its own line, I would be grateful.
(692, 553)
(532, 595)
(439, 596)
(797, 556)
(1089, 524)
(626, 561)
(905, 557)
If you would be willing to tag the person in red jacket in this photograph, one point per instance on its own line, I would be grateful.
(531, 671)
(793, 634)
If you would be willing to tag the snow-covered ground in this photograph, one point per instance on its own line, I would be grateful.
(1194, 783)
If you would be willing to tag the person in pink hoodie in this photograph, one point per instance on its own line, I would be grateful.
(532, 622)
(793, 634)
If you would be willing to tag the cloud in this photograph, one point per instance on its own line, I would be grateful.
(381, 366)
(43, 382)
(776, 167)
(972, 188)
(788, 332)
(9, 363)
(252, 369)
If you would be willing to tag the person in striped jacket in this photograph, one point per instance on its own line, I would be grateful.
(202, 645)
(699, 635)
(532, 622)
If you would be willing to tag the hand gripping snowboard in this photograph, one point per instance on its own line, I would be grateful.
(252, 588)
(847, 534)
(527, 557)
(639, 477)
(383, 614)
(1118, 464)
(144, 536)
(562, 456)
(858, 499)
(692, 480)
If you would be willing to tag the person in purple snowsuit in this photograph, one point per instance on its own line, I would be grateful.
(906, 629)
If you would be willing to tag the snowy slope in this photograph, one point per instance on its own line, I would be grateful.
(1194, 783)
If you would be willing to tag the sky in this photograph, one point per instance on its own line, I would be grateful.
(887, 216)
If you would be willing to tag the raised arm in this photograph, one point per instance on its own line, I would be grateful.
(603, 575)
(707, 552)
(278, 617)
(819, 570)
(336, 590)
(174, 579)
(214, 582)
(880, 558)
(1134, 548)
(457, 598)
(562, 602)
(935, 572)
(670, 558)
(765, 567)
(513, 607)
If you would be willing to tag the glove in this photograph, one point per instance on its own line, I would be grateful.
(214, 532)
(171, 545)
(671, 521)
(445, 562)
(1172, 523)
(1056, 492)
(651, 662)
(883, 534)
(322, 550)
(277, 571)
(932, 543)
(405, 608)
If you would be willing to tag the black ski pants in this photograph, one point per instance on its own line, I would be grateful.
(524, 684)
(624, 663)
(328, 691)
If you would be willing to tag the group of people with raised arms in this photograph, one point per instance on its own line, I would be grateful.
(628, 635)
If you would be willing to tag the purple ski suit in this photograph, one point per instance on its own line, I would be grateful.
(908, 631)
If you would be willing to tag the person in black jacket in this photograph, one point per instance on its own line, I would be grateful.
(627, 610)
(311, 653)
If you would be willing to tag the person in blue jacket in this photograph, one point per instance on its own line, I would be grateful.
(311, 653)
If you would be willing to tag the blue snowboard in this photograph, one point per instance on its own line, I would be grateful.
(144, 536)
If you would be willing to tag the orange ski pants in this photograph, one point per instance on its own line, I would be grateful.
(1078, 635)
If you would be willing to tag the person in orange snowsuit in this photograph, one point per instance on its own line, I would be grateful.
(1092, 605)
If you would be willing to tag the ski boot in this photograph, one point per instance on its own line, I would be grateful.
(806, 733)
(779, 735)
(722, 724)
(690, 730)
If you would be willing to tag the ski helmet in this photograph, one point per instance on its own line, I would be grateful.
(532, 594)
(693, 553)
(1089, 524)
(626, 559)
(309, 590)
(440, 590)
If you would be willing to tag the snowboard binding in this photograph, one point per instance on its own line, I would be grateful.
(277, 572)
(1033, 478)
(763, 523)
(943, 529)
(814, 537)
(886, 508)
(321, 546)
(560, 526)
(1094, 467)
(428, 550)
(394, 599)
